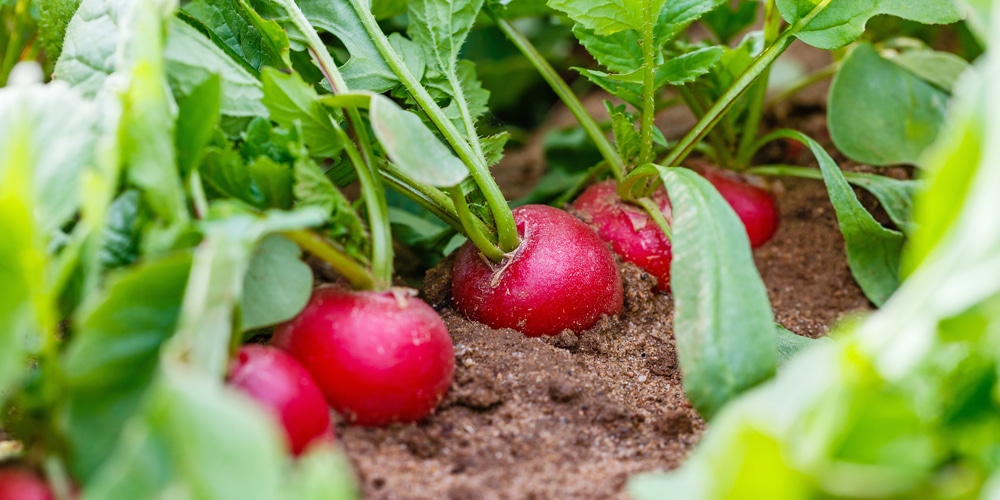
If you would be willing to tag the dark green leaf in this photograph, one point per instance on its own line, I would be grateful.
(727, 22)
(273, 181)
(313, 189)
(225, 174)
(277, 285)
(123, 233)
(111, 360)
(412, 146)
(722, 321)
(843, 21)
(237, 26)
(197, 116)
(290, 99)
(873, 252)
(882, 114)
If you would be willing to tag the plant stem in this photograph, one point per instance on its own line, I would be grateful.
(657, 215)
(565, 93)
(754, 71)
(471, 230)
(359, 276)
(758, 94)
(504, 219)
(648, 84)
(428, 197)
(805, 82)
(363, 161)
(719, 145)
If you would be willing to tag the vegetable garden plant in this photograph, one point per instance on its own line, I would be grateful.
(172, 196)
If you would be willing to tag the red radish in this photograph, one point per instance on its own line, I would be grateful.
(20, 484)
(756, 207)
(561, 277)
(378, 357)
(284, 387)
(631, 232)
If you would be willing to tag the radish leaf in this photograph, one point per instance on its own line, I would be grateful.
(277, 285)
(289, 99)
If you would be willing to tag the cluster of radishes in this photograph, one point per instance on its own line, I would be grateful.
(382, 357)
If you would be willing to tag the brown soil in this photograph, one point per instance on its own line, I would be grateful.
(574, 416)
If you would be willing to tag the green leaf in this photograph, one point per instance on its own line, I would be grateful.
(843, 21)
(323, 473)
(255, 41)
(790, 344)
(873, 252)
(225, 174)
(493, 147)
(412, 146)
(365, 70)
(679, 70)
(114, 353)
(727, 22)
(273, 181)
(34, 118)
(220, 265)
(677, 15)
(194, 439)
(197, 116)
(53, 17)
(628, 92)
(895, 195)
(608, 17)
(627, 138)
(192, 58)
(722, 321)
(92, 38)
(147, 124)
(476, 97)
(880, 113)
(440, 27)
(941, 69)
(122, 236)
(277, 285)
(290, 99)
(619, 53)
(314, 189)
(24, 308)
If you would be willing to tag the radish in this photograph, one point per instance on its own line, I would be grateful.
(279, 383)
(631, 232)
(562, 276)
(378, 357)
(756, 207)
(20, 484)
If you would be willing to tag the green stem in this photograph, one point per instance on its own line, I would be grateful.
(14, 44)
(565, 93)
(363, 162)
(719, 145)
(427, 196)
(359, 276)
(654, 211)
(758, 94)
(752, 73)
(568, 195)
(648, 84)
(198, 198)
(805, 82)
(504, 219)
(477, 237)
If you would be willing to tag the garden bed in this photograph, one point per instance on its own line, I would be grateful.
(575, 415)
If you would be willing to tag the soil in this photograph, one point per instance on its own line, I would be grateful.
(574, 416)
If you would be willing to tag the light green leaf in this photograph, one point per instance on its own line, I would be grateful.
(493, 147)
(676, 15)
(895, 195)
(941, 69)
(273, 181)
(843, 21)
(790, 344)
(726, 22)
(722, 320)
(216, 283)
(440, 27)
(880, 113)
(412, 146)
(314, 189)
(114, 353)
(192, 58)
(290, 99)
(476, 97)
(194, 438)
(873, 252)
(24, 308)
(679, 70)
(609, 16)
(323, 473)
(33, 118)
(277, 285)
(626, 91)
(92, 38)
(619, 53)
